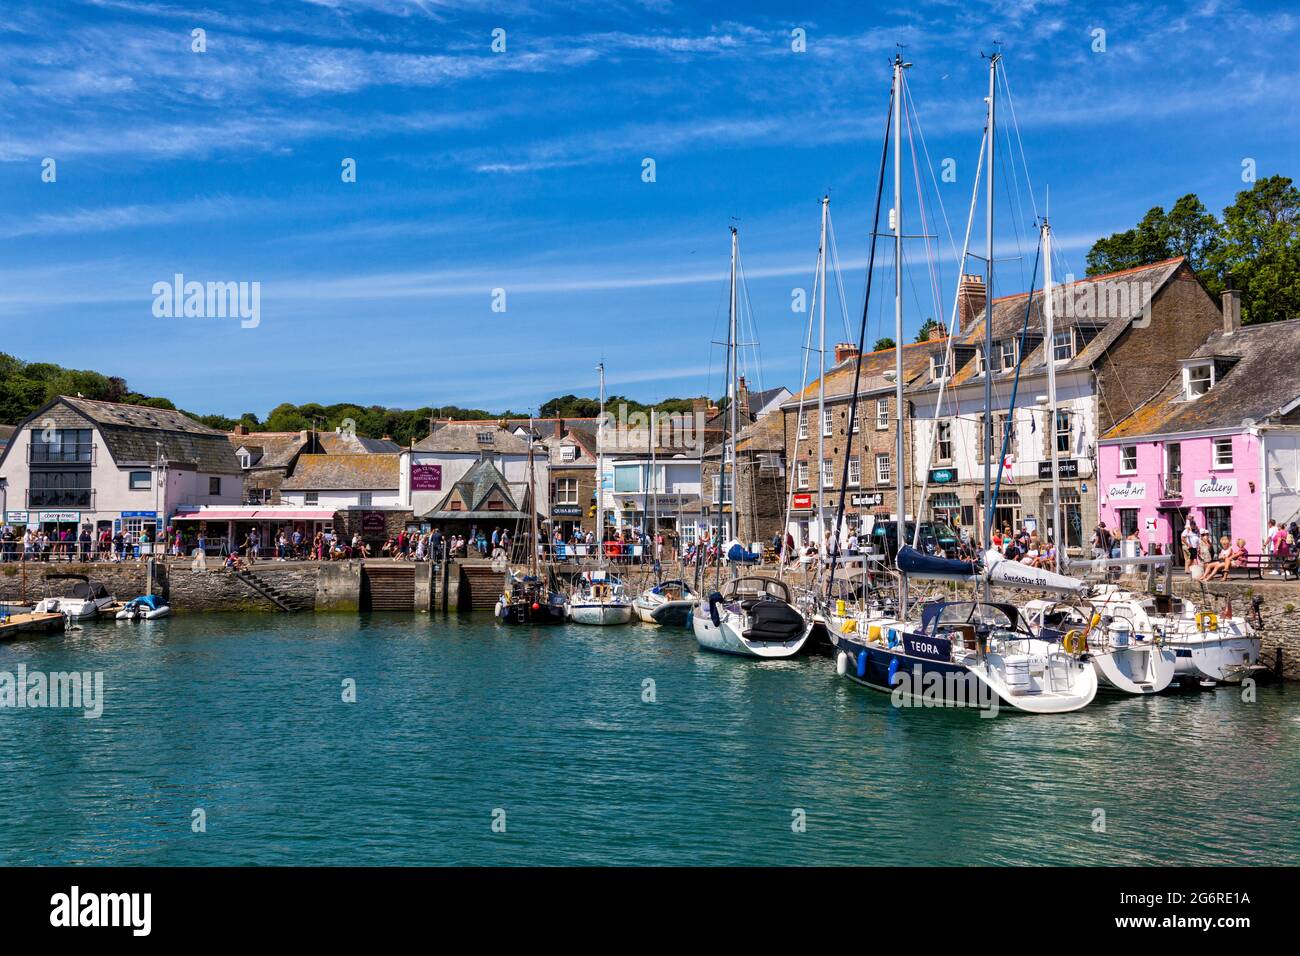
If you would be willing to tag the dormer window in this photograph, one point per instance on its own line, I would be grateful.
(568, 453)
(1007, 354)
(1197, 380)
(1063, 345)
(938, 368)
(979, 361)
(485, 438)
(245, 460)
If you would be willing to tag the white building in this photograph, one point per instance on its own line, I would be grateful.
(77, 463)
(435, 463)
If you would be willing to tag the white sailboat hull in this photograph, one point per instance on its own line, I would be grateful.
(1141, 669)
(1216, 656)
(76, 609)
(727, 637)
(600, 613)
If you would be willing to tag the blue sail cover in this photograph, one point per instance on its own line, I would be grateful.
(917, 565)
(738, 555)
(148, 600)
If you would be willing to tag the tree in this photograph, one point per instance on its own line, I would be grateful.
(1260, 250)
(882, 344)
(928, 326)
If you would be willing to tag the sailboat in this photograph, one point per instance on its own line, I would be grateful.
(526, 598)
(961, 653)
(598, 597)
(665, 602)
(754, 615)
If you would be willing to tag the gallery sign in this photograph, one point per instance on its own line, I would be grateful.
(426, 477)
(1128, 491)
(1216, 488)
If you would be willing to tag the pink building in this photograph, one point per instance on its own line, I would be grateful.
(1219, 445)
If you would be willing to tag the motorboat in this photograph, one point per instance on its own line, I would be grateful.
(598, 598)
(1119, 639)
(81, 598)
(668, 603)
(147, 607)
(753, 616)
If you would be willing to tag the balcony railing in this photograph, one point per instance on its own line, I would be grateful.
(41, 452)
(82, 498)
(1173, 486)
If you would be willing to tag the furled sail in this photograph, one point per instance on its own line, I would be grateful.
(1012, 574)
(917, 565)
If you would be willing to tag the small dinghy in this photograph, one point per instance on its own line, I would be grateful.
(668, 602)
(147, 607)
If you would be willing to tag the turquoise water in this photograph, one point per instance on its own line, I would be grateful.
(456, 718)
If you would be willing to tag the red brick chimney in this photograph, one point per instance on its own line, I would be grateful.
(241, 429)
(845, 351)
(971, 299)
(742, 397)
(937, 334)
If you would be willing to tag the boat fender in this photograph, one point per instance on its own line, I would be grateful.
(714, 600)
(841, 664)
(893, 671)
(862, 663)
(839, 607)
(849, 627)
(893, 637)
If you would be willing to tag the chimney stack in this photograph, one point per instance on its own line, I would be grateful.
(971, 299)
(1231, 311)
(845, 351)
(241, 429)
(937, 334)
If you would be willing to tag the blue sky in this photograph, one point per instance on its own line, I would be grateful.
(522, 170)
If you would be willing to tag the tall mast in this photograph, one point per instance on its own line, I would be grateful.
(988, 310)
(600, 470)
(729, 450)
(654, 482)
(1049, 334)
(532, 497)
(821, 378)
(900, 480)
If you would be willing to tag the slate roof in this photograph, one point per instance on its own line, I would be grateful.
(462, 437)
(270, 449)
(839, 378)
(339, 443)
(1141, 285)
(474, 489)
(1260, 383)
(133, 434)
(355, 472)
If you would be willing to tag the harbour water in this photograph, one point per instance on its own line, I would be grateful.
(243, 717)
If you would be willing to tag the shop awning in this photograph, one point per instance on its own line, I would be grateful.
(257, 514)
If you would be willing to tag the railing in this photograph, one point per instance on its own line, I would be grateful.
(61, 498)
(1173, 486)
(42, 452)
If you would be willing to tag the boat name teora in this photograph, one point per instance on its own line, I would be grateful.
(58, 689)
(920, 688)
(212, 300)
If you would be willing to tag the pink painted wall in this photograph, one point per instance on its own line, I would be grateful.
(1198, 460)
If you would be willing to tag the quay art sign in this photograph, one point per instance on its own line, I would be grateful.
(1216, 488)
(426, 477)
(1128, 491)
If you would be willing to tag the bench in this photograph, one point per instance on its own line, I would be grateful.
(1257, 565)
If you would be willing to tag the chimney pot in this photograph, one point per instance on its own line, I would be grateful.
(1231, 311)
(845, 351)
(971, 300)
